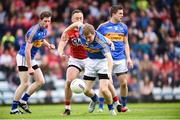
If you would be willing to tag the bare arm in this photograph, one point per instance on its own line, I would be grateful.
(28, 54)
(62, 44)
(28, 50)
(110, 64)
(127, 52)
(109, 42)
(73, 25)
(50, 46)
(64, 37)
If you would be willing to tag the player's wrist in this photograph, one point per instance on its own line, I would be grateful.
(128, 58)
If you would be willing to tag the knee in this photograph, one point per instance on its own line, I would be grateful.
(104, 90)
(41, 82)
(68, 82)
(87, 92)
(25, 85)
(123, 83)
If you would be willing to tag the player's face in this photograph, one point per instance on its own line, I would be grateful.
(89, 38)
(77, 17)
(118, 15)
(45, 22)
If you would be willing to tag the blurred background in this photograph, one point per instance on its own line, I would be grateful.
(154, 38)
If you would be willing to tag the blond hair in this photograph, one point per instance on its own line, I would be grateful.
(88, 29)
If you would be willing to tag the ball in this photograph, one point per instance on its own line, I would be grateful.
(77, 86)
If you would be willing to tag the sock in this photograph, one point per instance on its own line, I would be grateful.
(101, 102)
(123, 99)
(67, 105)
(110, 106)
(116, 100)
(25, 97)
(94, 98)
(15, 105)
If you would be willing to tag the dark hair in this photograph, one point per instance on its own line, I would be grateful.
(45, 14)
(115, 8)
(76, 11)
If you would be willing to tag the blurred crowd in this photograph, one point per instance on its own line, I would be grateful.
(154, 38)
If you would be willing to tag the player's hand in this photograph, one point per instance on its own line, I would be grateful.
(111, 44)
(31, 71)
(129, 63)
(52, 46)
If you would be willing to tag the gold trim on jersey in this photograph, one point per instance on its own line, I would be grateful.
(91, 50)
(115, 36)
(37, 43)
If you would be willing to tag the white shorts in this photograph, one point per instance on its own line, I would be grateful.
(21, 61)
(78, 63)
(120, 66)
(93, 67)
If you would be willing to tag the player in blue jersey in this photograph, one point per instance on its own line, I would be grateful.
(26, 64)
(117, 32)
(99, 64)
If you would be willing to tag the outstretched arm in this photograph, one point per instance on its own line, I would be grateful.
(50, 46)
(62, 43)
(73, 25)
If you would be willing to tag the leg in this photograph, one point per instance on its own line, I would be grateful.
(39, 81)
(101, 102)
(23, 75)
(90, 93)
(71, 74)
(124, 90)
(103, 88)
(107, 94)
(114, 96)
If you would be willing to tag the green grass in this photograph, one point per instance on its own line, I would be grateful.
(151, 111)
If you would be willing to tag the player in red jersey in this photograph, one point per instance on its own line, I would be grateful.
(77, 57)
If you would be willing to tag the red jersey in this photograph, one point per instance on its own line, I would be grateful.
(76, 48)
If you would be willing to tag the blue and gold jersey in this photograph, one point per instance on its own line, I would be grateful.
(97, 48)
(116, 33)
(35, 34)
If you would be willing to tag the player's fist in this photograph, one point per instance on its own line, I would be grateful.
(51, 46)
(129, 63)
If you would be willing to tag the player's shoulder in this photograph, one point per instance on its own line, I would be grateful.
(123, 25)
(99, 36)
(103, 24)
(33, 28)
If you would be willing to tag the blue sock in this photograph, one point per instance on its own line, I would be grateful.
(14, 105)
(25, 97)
(110, 106)
(123, 99)
(101, 102)
(94, 98)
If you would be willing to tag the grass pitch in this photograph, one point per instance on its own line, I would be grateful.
(150, 111)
